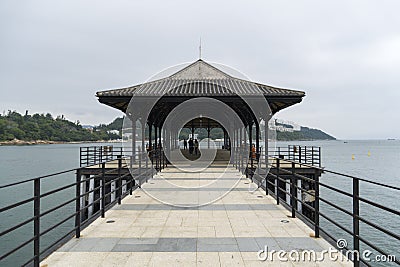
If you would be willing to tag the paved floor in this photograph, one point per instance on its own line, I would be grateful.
(229, 232)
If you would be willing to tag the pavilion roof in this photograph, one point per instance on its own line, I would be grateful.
(200, 79)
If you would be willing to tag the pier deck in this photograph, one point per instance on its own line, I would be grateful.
(144, 232)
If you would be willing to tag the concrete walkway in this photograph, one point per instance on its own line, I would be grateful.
(229, 232)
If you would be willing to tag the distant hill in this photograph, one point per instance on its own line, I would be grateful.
(15, 126)
(305, 134)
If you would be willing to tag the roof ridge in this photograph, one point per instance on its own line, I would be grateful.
(219, 72)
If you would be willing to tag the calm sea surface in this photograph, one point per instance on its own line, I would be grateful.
(373, 160)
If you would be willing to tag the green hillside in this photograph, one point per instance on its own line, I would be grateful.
(45, 127)
(305, 134)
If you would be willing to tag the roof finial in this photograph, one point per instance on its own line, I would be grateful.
(200, 49)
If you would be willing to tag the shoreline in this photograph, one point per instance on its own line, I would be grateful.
(17, 142)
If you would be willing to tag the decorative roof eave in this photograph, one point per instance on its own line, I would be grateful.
(204, 87)
(200, 79)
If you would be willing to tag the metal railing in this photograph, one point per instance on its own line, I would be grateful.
(96, 154)
(139, 170)
(289, 176)
(304, 154)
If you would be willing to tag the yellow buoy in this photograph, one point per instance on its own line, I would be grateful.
(369, 153)
(352, 157)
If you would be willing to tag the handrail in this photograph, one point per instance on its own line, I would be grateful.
(105, 175)
(291, 178)
(284, 171)
(279, 174)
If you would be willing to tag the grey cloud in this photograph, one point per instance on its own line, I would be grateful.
(56, 54)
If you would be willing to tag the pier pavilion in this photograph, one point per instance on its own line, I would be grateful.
(191, 211)
(198, 80)
(223, 206)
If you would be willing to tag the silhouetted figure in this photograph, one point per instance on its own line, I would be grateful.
(184, 144)
(253, 152)
(191, 146)
(196, 146)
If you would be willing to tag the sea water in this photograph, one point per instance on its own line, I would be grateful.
(375, 160)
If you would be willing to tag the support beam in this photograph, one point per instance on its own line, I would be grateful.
(266, 136)
(208, 134)
(287, 188)
(150, 132)
(224, 138)
(143, 124)
(192, 130)
(257, 137)
(91, 195)
(159, 138)
(83, 198)
(299, 204)
(155, 136)
(112, 188)
(133, 139)
(251, 147)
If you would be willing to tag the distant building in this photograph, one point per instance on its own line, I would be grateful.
(88, 127)
(113, 132)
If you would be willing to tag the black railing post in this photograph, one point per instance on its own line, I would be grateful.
(277, 180)
(131, 182)
(147, 165)
(305, 154)
(356, 221)
(319, 156)
(103, 189)
(161, 159)
(240, 159)
(293, 190)
(156, 158)
(140, 163)
(316, 203)
(131, 161)
(78, 204)
(300, 154)
(36, 222)
(119, 181)
(164, 159)
(312, 156)
(87, 156)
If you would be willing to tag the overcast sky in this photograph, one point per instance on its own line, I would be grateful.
(55, 55)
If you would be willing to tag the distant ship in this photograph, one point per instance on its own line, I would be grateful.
(391, 139)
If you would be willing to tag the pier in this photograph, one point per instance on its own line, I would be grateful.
(144, 232)
(151, 202)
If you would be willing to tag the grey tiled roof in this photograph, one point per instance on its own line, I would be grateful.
(204, 87)
(200, 79)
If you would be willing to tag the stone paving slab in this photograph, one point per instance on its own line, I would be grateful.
(228, 232)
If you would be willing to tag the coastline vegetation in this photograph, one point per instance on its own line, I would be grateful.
(44, 128)
(14, 126)
(305, 134)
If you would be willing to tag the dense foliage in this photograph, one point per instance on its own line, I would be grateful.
(45, 127)
(304, 134)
